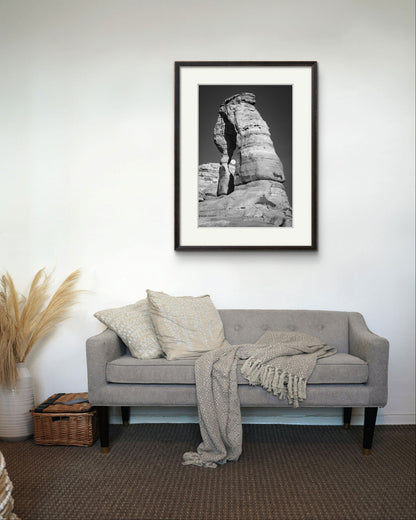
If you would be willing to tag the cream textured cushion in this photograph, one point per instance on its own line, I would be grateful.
(186, 326)
(6, 488)
(134, 326)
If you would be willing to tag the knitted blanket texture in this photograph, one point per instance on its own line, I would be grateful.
(280, 362)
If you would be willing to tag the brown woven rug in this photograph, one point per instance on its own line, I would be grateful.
(285, 472)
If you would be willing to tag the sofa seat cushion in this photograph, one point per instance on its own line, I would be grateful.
(340, 368)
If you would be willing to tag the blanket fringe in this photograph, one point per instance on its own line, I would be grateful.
(282, 384)
(195, 459)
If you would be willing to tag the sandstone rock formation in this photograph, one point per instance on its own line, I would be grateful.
(241, 132)
(208, 180)
(256, 204)
(226, 178)
(246, 189)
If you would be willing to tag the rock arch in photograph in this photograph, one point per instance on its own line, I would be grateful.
(249, 189)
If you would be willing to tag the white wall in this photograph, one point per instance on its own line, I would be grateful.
(86, 155)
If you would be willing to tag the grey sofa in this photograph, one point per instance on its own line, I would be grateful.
(354, 377)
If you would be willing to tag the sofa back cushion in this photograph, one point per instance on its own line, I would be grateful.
(247, 326)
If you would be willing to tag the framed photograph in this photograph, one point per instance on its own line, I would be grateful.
(245, 156)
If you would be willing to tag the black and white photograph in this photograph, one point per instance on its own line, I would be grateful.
(245, 155)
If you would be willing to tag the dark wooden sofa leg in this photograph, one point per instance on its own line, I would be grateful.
(125, 415)
(347, 418)
(103, 426)
(370, 416)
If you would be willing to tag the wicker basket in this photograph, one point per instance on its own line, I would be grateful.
(65, 428)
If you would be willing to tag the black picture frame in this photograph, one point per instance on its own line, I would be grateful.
(302, 76)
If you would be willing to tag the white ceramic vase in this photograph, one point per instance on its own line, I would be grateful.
(16, 422)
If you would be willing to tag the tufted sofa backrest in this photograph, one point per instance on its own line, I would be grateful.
(247, 326)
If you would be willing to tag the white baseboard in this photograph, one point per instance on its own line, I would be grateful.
(312, 416)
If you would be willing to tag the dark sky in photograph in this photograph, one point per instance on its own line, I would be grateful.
(273, 102)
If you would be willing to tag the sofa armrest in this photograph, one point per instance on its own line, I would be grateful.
(101, 348)
(375, 351)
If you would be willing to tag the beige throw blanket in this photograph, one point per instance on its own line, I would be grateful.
(280, 362)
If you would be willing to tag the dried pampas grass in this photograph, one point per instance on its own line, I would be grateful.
(24, 321)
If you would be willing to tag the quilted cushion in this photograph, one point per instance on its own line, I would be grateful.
(337, 369)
